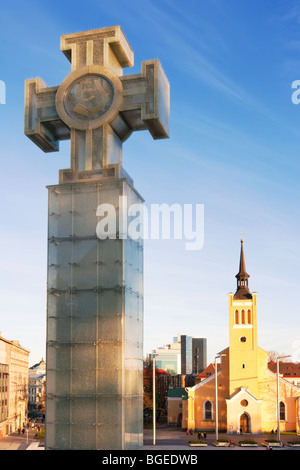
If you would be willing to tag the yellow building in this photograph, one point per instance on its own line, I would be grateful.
(13, 386)
(247, 388)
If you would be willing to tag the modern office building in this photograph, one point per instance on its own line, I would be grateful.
(199, 351)
(186, 355)
(168, 358)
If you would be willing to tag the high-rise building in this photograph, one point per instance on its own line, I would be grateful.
(168, 358)
(186, 355)
(199, 351)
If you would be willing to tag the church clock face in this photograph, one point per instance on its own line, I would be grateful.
(89, 97)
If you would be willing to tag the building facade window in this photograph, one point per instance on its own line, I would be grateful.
(243, 317)
(4, 379)
(208, 410)
(282, 411)
(249, 319)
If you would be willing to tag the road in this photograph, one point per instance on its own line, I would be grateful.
(16, 441)
(171, 438)
(167, 439)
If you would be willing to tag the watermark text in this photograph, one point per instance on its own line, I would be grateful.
(2, 92)
(157, 222)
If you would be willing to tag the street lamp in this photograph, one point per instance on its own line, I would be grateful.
(154, 401)
(216, 390)
(278, 403)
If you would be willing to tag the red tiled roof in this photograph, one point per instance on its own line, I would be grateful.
(149, 372)
(161, 371)
(210, 370)
(287, 369)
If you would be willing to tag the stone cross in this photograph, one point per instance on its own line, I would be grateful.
(96, 106)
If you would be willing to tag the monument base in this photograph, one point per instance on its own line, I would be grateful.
(94, 387)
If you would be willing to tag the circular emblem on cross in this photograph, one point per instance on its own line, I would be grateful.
(89, 97)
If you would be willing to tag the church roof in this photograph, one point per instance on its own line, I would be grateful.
(242, 276)
(241, 391)
(242, 294)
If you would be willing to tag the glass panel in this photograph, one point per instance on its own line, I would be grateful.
(94, 324)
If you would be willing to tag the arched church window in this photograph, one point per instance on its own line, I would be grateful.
(243, 317)
(282, 411)
(236, 318)
(208, 410)
(249, 319)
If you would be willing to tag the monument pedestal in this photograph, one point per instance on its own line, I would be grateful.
(94, 396)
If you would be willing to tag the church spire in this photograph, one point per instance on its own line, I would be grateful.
(242, 276)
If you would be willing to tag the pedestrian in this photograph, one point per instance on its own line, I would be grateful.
(23, 430)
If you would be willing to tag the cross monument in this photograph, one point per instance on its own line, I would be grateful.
(94, 344)
(96, 106)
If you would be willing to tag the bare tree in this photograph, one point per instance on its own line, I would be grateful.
(274, 354)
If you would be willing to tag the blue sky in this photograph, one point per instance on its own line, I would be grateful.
(234, 146)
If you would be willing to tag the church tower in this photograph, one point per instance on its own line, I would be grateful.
(243, 350)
